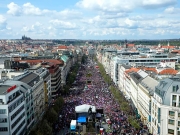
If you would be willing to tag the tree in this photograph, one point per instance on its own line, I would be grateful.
(45, 128)
(58, 104)
(51, 116)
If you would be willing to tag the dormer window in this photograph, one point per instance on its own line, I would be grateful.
(175, 88)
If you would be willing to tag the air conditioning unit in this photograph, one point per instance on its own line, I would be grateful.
(178, 129)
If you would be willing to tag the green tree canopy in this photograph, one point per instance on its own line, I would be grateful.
(51, 116)
(45, 128)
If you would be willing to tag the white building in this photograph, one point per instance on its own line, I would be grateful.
(165, 107)
(12, 109)
(135, 61)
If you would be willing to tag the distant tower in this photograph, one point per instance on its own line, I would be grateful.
(168, 43)
(159, 45)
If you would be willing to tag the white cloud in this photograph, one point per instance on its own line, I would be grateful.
(69, 14)
(158, 3)
(14, 9)
(172, 10)
(37, 28)
(106, 5)
(123, 5)
(29, 9)
(62, 24)
(131, 23)
(2, 22)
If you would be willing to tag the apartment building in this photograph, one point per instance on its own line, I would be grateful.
(65, 68)
(136, 62)
(44, 73)
(54, 67)
(12, 109)
(165, 107)
(35, 83)
(121, 75)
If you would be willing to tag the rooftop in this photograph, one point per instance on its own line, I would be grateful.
(30, 79)
(62, 47)
(3, 89)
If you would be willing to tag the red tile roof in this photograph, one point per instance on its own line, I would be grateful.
(149, 69)
(175, 51)
(168, 71)
(130, 45)
(168, 47)
(132, 70)
(62, 47)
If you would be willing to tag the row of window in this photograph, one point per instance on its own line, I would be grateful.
(18, 128)
(17, 121)
(3, 120)
(2, 111)
(170, 121)
(18, 102)
(17, 112)
(171, 131)
(172, 113)
(3, 129)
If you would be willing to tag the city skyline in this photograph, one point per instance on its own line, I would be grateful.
(90, 19)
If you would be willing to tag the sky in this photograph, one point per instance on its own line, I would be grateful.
(90, 19)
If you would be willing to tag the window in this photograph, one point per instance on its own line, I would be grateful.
(174, 97)
(178, 114)
(18, 128)
(159, 115)
(171, 131)
(17, 112)
(171, 113)
(17, 121)
(3, 129)
(2, 111)
(174, 89)
(3, 120)
(178, 123)
(174, 104)
(171, 122)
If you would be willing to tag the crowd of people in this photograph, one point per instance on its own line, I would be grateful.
(96, 92)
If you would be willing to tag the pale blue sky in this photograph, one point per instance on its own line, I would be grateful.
(90, 19)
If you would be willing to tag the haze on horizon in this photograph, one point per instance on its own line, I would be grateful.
(90, 19)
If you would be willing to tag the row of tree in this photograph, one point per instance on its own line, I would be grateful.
(46, 124)
(71, 77)
(124, 105)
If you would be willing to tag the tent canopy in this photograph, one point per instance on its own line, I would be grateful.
(84, 108)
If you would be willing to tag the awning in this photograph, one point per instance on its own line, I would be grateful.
(81, 119)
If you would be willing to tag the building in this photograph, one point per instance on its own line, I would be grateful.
(135, 62)
(65, 68)
(36, 95)
(12, 109)
(54, 67)
(165, 107)
(44, 73)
